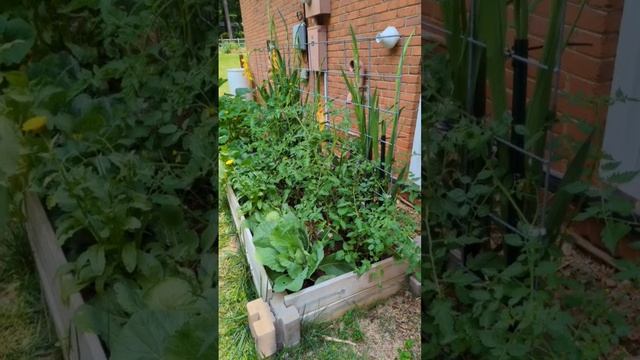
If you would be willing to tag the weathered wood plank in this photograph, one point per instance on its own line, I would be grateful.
(415, 286)
(48, 258)
(258, 273)
(345, 285)
(362, 298)
(234, 205)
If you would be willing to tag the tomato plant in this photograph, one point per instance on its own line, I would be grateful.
(279, 159)
(109, 107)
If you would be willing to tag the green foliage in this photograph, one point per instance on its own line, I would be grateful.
(282, 161)
(124, 161)
(283, 246)
(350, 326)
(276, 155)
(229, 47)
(405, 353)
(486, 308)
(153, 334)
(563, 198)
(282, 87)
(17, 37)
(370, 123)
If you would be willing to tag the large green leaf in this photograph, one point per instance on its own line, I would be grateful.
(129, 298)
(334, 267)
(197, 339)
(612, 233)
(170, 294)
(146, 334)
(17, 37)
(267, 256)
(99, 320)
(285, 282)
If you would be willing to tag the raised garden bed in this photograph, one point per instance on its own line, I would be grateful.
(49, 257)
(324, 301)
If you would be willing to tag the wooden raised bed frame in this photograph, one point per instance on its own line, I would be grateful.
(49, 257)
(325, 301)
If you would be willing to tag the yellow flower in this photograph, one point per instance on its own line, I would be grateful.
(247, 71)
(229, 162)
(34, 124)
(320, 116)
(274, 60)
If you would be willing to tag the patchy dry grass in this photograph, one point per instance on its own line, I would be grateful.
(235, 291)
(25, 329)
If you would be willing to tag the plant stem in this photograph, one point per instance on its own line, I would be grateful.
(431, 257)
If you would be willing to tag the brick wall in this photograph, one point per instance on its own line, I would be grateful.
(584, 69)
(367, 19)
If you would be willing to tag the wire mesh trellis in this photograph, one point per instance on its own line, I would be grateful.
(337, 58)
(432, 31)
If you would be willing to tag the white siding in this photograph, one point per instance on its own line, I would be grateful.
(622, 131)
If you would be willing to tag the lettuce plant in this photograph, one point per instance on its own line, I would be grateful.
(283, 246)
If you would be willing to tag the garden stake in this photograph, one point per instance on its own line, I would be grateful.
(518, 110)
(383, 141)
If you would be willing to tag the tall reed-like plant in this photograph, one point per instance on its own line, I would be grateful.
(490, 26)
(370, 124)
(282, 87)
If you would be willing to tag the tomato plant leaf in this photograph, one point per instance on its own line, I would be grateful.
(612, 233)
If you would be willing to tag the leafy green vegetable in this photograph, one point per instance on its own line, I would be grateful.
(283, 246)
(147, 334)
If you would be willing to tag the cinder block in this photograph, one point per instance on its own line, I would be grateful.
(262, 326)
(265, 338)
(287, 322)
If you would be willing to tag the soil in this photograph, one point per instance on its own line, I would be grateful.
(623, 296)
(387, 326)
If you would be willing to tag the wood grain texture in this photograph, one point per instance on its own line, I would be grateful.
(49, 258)
(345, 285)
(258, 273)
(360, 299)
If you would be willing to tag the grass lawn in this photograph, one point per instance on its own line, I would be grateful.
(225, 62)
(25, 329)
(387, 331)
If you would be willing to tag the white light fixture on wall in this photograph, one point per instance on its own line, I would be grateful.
(389, 37)
(307, 2)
